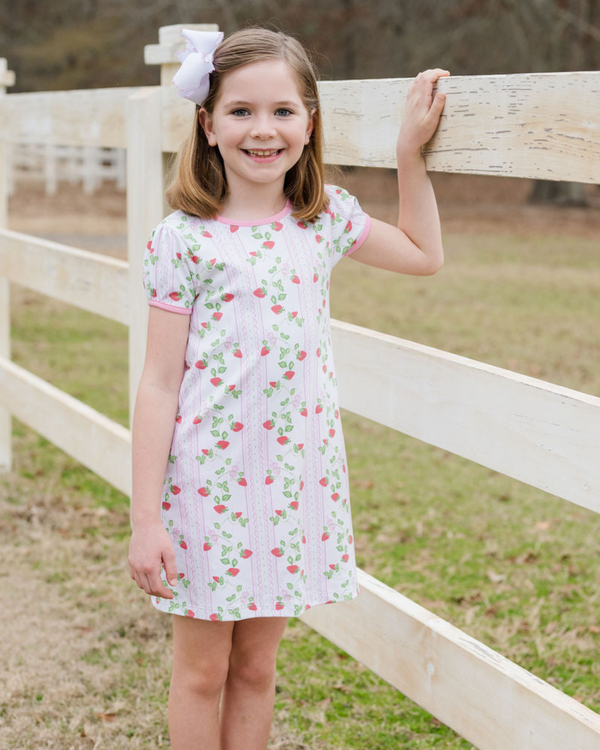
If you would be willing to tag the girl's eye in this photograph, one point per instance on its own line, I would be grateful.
(282, 109)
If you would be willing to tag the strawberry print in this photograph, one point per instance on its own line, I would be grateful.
(255, 496)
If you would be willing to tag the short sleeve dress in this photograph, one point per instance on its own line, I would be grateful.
(256, 495)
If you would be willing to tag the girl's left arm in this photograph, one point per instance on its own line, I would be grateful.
(415, 245)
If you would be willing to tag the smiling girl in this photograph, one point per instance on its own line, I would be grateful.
(241, 506)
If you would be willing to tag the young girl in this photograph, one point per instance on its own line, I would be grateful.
(238, 398)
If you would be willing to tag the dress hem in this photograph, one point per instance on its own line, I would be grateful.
(289, 611)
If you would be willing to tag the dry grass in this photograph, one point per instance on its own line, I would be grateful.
(87, 658)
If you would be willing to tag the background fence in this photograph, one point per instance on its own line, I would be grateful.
(528, 125)
(51, 164)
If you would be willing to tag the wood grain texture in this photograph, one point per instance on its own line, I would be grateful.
(90, 117)
(90, 281)
(145, 209)
(534, 125)
(542, 434)
(490, 701)
(99, 443)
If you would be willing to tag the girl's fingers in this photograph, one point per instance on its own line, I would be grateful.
(429, 81)
(146, 583)
(437, 73)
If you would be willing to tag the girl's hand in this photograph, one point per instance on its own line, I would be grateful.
(149, 546)
(421, 116)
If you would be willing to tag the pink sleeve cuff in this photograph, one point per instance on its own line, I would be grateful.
(171, 308)
(362, 238)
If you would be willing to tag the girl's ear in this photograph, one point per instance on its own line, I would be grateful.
(205, 121)
(310, 126)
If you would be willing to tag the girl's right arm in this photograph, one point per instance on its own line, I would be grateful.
(153, 424)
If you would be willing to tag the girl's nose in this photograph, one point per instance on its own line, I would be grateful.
(263, 128)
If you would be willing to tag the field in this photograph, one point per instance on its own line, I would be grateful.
(88, 658)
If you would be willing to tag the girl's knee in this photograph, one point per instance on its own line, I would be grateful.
(205, 678)
(254, 671)
(201, 654)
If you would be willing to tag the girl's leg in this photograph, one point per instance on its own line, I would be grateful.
(249, 694)
(201, 650)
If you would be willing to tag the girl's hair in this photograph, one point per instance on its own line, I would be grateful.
(198, 185)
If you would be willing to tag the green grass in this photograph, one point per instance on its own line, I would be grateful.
(513, 566)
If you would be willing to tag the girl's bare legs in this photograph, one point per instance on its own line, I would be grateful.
(249, 693)
(201, 650)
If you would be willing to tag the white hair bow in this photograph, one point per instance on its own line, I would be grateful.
(192, 78)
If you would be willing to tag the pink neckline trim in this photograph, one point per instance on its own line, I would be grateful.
(284, 212)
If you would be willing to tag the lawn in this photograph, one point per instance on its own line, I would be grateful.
(87, 656)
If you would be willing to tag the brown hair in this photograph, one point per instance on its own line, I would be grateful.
(197, 183)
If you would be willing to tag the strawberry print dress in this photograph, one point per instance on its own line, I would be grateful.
(256, 494)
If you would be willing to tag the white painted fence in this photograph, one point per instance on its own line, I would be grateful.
(51, 163)
(543, 125)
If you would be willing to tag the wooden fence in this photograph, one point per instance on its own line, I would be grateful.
(51, 164)
(544, 125)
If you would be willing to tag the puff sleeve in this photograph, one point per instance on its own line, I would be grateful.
(350, 225)
(170, 271)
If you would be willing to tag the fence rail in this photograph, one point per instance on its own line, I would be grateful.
(535, 125)
(528, 125)
(52, 164)
(543, 434)
(92, 282)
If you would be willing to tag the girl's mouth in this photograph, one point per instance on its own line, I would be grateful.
(270, 157)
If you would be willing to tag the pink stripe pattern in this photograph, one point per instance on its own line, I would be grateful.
(256, 495)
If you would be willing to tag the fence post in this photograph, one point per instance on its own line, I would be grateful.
(49, 155)
(164, 54)
(146, 170)
(7, 78)
(120, 166)
(91, 159)
(144, 211)
(146, 205)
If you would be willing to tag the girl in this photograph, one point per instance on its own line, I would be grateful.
(250, 520)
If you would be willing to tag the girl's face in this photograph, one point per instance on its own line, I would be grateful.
(259, 108)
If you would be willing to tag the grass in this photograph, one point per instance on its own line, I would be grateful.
(88, 658)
